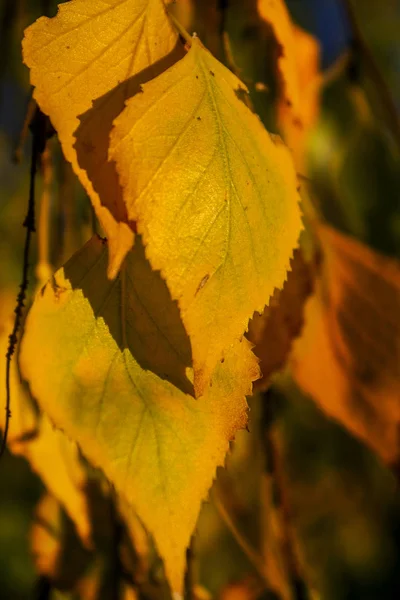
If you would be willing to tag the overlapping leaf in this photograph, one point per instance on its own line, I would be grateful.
(84, 64)
(348, 357)
(103, 378)
(214, 197)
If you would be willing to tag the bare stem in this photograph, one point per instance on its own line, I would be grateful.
(250, 553)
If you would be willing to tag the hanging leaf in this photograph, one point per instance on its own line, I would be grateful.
(214, 197)
(51, 455)
(299, 79)
(100, 379)
(348, 357)
(84, 64)
(273, 332)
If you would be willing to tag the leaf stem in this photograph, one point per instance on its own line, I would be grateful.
(181, 30)
(38, 143)
(250, 553)
(43, 268)
(274, 471)
(189, 575)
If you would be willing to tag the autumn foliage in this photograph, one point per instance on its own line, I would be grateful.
(212, 272)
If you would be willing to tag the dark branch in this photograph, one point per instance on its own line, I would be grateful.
(38, 128)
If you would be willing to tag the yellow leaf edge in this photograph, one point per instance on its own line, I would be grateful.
(176, 568)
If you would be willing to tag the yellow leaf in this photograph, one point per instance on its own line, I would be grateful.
(23, 422)
(214, 197)
(348, 357)
(98, 381)
(298, 76)
(50, 454)
(84, 64)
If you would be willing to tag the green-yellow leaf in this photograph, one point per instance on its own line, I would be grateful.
(100, 379)
(84, 64)
(214, 197)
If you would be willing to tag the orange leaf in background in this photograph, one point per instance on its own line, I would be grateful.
(273, 332)
(348, 357)
(298, 76)
(84, 63)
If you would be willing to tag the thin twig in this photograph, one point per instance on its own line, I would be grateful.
(29, 114)
(189, 575)
(43, 268)
(274, 471)
(250, 553)
(38, 142)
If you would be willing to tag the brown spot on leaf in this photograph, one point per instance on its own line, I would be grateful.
(202, 283)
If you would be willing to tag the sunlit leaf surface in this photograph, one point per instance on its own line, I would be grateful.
(103, 378)
(84, 64)
(214, 197)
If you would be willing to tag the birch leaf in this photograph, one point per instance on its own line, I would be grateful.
(158, 445)
(84, 63)
(214, 197)
(348, 357)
